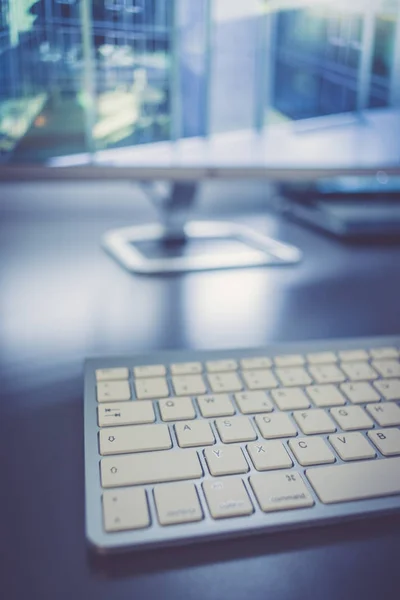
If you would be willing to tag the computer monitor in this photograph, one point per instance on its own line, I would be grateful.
(287, 90)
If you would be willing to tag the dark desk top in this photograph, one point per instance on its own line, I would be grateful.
(62, 299)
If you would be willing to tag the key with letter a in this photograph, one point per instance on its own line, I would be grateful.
(194, 433)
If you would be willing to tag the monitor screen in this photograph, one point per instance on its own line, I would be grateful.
(114, 88)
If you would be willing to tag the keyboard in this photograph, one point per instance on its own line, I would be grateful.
(193, 445)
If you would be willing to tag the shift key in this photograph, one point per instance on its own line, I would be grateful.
(150, 467)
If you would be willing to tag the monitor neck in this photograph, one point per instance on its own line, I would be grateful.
(173, 201)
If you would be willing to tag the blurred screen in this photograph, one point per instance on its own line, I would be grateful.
(258, 82)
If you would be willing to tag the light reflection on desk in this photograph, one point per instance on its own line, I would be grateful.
(223, 314)
(62, 299)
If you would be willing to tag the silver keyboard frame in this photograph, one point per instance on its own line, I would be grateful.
(210, 529)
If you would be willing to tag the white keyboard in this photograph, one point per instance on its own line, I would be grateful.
(187, 446)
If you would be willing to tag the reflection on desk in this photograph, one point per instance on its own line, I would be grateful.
(63, 299)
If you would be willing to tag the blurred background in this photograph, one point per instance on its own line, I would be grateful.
(79, 76)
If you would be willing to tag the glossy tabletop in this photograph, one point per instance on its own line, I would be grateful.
(63, 299)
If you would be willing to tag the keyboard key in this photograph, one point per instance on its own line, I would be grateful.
(225, 460)
(290, 398)
(136, 438)
(125, 509)
(326, 373)
(258, 362)
(384, 352)
(149, 371)
(194, 433)
(345, 483)
(151, 388)
(237, 429)
(187, 368)
(253, 402)
(217, 405)
(280, 491)
(351, 418)
(225, 382)
(386, 440)
(352, 446)
(321, 358)
(267, 456)
(227, 498)
(258, 379)
(290, 376)
(314, 421)
(177, 503)
(388, 388)
(353, 355)
(125, 413)
(113, 391)
(218, 366)
(188, 385)
(289, 360)
(387, 368)
(325, 395)
(386, 414)
(150, 467)
(112, 374)
(275, 425)
(359, 371)
(359, 392)
(177, 409)
(311, 451)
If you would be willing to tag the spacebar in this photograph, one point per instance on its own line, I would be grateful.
(356, 481)
(150, 467)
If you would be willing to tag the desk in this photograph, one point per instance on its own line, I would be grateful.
(63, 299)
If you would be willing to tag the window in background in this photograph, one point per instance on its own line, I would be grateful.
(317, 61)
(191, 72)
(43, 107)
(132, 52)
(333, 58)
(167, 69)
(382, 59)
(22, 86)
(234, 45)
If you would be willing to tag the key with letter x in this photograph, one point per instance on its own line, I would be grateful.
(269, 455)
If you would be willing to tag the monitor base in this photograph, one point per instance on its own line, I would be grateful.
(149, 249)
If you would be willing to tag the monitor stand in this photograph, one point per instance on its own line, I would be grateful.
(177, 245)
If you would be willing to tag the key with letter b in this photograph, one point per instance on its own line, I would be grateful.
(386, 440)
